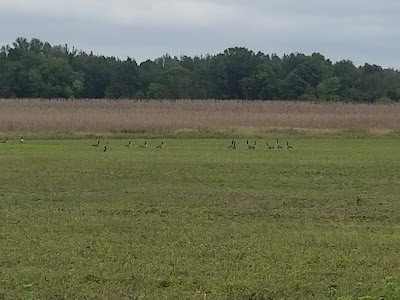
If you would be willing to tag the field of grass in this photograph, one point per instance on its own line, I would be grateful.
(61, 117)
(197, 220)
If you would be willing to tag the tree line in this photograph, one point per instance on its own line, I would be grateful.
(36, 69)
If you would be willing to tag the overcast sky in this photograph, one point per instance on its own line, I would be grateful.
(359, 30)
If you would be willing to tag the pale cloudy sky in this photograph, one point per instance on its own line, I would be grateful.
(360, 30)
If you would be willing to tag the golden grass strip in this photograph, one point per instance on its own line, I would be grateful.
(106, 116)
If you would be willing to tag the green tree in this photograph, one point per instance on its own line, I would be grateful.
(323, 65)
(228, 69)
(59, 79)
(348, 74)
(202, 87)
(265, 83)
(329, 89)
(173, 83)
(37, 69)
(96, 74)
(295, 86)
(124, 80)
(309, 73)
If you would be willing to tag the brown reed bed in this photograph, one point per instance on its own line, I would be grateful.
(127, 116)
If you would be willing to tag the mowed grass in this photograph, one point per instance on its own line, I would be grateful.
(197, 220)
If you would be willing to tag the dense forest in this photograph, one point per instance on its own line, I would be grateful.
(36, 69)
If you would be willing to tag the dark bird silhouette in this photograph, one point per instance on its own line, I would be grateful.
(251, 147)
(268, 146)
(288, 146)
(105, 148)
(231, 145)
(161, 146)
(248, 145)
(5, 140)
(129, 144)
(96, 145)
(277, 145)
(144, 145)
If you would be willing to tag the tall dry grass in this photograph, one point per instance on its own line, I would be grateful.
(101, 116)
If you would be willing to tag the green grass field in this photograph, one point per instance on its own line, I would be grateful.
(196, 220)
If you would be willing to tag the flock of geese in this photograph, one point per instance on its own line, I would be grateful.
(253, 147)
(231, 146)
(129, 145)
(162, 145)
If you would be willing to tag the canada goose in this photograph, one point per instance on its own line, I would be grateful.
(248, 145)
(129, 144)
(105, 148)
(144, 146)
(231, 145)
(234, 146)
(21, 140)
(277, 145)
(288, 146)
(5, 141)
(161, 146)
(96, 145)
(268, 146)
(252, 147)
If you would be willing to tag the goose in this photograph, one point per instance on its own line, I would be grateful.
(21, 140)
(105, 148)
(161, 146)
(129, 144)
(96, 145)
(5, 141)
(231, 146)
(234, 146)
(248, 145)
(288, 146)
(144, 145)
(277, 145)
(252, 147)
(268, 146)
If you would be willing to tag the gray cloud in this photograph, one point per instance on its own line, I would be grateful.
(360, 30)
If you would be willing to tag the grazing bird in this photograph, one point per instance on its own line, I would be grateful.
(231, 146)
(277, 145)
(288, 146)
(251, 147)
(5, 141)
(129, 144)
(144, 146)
(97, 145)
(161, 146)
(105, 148)
(234, 146)
(21, 140)
(268, 146)
(248, 145)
